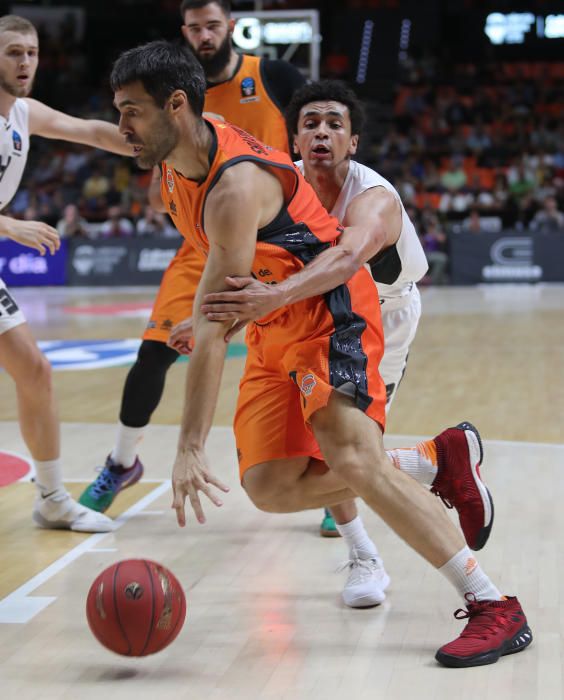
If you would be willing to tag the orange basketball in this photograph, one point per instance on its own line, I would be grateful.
(136, 607)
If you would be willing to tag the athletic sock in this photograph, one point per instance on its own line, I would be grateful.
(357, 539)
(420, 462)
(49, 477)
(125, 450)
(466, 575)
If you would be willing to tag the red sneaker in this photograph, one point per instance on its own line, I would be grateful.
(495, 628)
(459, 485)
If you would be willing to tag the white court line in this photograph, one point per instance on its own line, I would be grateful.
(18, 608)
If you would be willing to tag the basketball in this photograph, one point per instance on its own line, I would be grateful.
(136, 607)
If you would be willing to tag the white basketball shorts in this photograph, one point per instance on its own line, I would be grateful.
(400, 317)
(10, 313)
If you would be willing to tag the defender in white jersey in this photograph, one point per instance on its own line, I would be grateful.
(21, 117)
(325, 119)
(396, 269)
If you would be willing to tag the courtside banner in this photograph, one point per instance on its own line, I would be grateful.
(117, 262)
(25, 267)
(508, 256)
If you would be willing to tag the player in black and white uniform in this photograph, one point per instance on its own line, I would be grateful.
(21, 117)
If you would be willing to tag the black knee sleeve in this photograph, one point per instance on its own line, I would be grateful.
(145, 383)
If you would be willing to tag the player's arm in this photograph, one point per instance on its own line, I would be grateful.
(232, 241)
(154, 194)
(372, 223)
(52, 124)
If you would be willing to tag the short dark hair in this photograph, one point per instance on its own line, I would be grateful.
(225, 5)
(15, 23)
(162, 67)
(325, 91)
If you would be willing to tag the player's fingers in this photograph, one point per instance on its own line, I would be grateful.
(196, 505)
(234, 330)
(239, 282)
(211, 495)
(211, 479)
(223, 316)
(178, 505)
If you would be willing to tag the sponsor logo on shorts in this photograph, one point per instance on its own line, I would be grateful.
(151, 324)
(308, 384)
(167, 325)
(8, 306)
(172, 207)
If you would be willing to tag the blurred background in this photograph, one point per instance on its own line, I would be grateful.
(464, 100)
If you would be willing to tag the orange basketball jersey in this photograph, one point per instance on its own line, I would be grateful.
(300, 231)
(243, 100)
(320, 344)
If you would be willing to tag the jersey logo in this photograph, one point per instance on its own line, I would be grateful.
(248, 87)
(17, 140)
(308, 384)
(169, 180)
(248, 91)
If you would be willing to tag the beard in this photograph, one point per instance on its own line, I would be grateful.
(164, 138)
(15, 90)
(215, 63)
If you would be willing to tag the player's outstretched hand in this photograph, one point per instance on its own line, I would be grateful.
(180, 338)
(246, 300)
(190, 475)
(34, 234)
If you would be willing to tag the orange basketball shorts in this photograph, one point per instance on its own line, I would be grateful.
(175, 297)
(315, 347)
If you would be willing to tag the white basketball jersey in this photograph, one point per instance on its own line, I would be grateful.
(410, 263)
(14, 147)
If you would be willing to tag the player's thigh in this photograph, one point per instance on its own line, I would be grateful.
(175, 298)
(21, 358)
(348, 438)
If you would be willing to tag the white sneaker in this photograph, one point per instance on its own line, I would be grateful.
(366, 583)
(61, 512)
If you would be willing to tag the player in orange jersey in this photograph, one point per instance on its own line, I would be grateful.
(251, 93)
(311, 407)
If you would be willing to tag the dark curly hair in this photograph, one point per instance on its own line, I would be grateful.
(325, 91)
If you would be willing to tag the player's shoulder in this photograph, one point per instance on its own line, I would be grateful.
(239, 179)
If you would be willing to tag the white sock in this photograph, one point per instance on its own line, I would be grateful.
(48, 476)
(466, 575)
(127, 440)
(357, 539)
(418, 462)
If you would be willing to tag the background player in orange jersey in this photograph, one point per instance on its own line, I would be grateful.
(248, 91)
(311, 389)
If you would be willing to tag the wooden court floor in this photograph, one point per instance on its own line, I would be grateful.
(265, 619)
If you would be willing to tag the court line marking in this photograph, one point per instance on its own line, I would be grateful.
(19, 608)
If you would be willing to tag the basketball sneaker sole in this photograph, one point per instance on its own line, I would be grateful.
(476, 455)
(517, 643)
